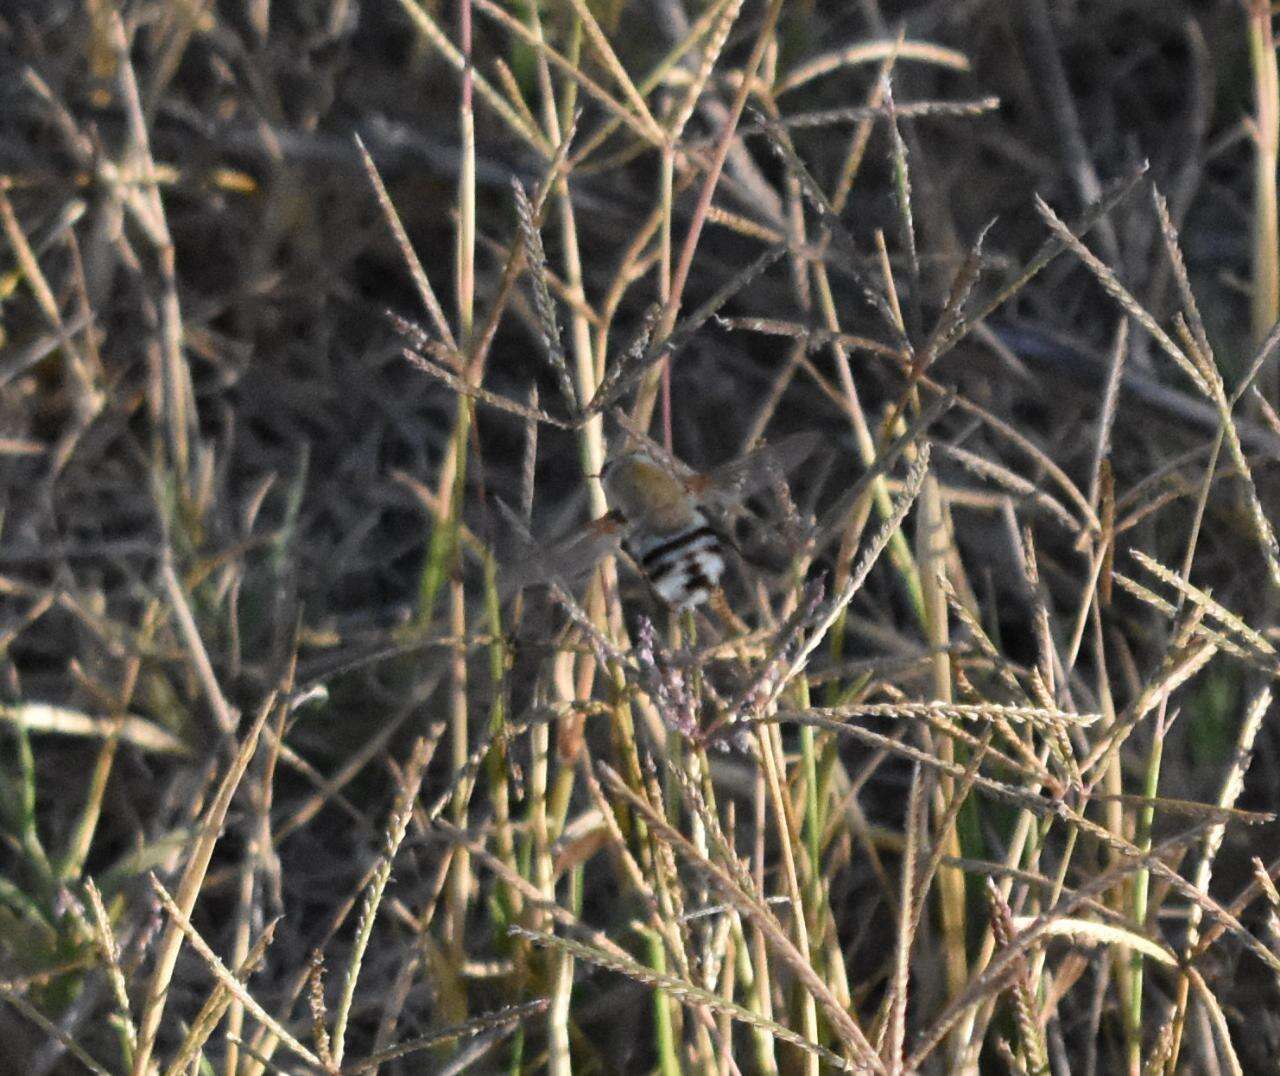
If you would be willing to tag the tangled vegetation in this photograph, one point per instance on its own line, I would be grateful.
(342, 734)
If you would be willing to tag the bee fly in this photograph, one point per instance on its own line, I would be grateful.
(670, 525)
(669, 537)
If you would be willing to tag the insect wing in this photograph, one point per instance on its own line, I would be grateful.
(739, 478)
(768, 543)
(576, 556)
(532, 563)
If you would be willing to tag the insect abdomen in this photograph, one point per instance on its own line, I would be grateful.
(684, 567)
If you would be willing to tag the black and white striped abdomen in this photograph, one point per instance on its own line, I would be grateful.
(684, 566)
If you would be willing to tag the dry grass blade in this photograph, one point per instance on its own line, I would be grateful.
(147, 208)
(138, 731)
(222, 712)
(835, 519)
(716, 38)
(1201, 353)
(1052, 247)
(682, 991)
(683, 332)
(1219, 1020)
(784, 638)
(1111, 283)
(1266, 350)
(530, 893)
(1092, 932)
(871, 52)
(643, 124)
(1187, 808)
(28, 263)
(483, 395)
(906, 220)
(630, 364)
(1045, 56)
(1212, 608)
(465, 774)
(419, 758)
(1233, 785)
(780, 143)
(911, 110)
(1223, 642)
(1030, 1034)
(983, 467)
(499, 1018)
(1230, 791)
(951, 325)
(910, 902)
(725, 140)
(604, 649)
(1024, 444)
(1003, 962)
(111, 956)
(1107, 416)
(707, 26)
(984, 711)
(439, 40)
(420, 279)
(837, 605)
(542, 303)
(226, 978)
(1223, 916)
(1179, 667)
(1257, 887)
(753, 909)
(609, 58)
(709, 834)
(51, 1029)
(18, 360)
(814, 337)
(1000, 791)
(189, 886)
(216, 1005)
(1263, 531)
(944, 829)
(1174, 252)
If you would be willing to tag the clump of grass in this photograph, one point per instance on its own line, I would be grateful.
(355, 795)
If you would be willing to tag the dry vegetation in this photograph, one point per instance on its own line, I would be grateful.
(313, 760)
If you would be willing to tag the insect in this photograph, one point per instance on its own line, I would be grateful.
(672, 525)
(671, 538)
